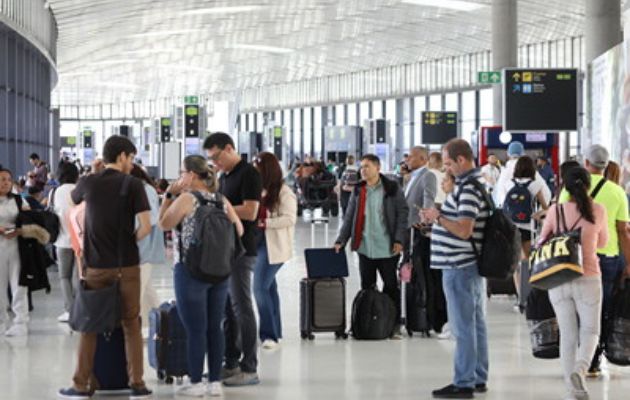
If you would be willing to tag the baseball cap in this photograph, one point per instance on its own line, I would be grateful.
(516, 149)
(597, 155)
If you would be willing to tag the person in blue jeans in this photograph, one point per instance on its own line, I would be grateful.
(201, 305)
(277, 216)
(461, 220)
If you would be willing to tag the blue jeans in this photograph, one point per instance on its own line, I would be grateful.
(201, 307)
(266, 294)
(465, 301)
(612, 268)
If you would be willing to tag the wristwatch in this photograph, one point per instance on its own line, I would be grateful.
(169, 195)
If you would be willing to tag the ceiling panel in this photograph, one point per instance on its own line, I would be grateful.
(121, 50)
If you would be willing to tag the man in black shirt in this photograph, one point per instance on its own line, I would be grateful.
(113, 201)
(242, 185)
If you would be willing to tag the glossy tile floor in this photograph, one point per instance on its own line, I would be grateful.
(37, 366)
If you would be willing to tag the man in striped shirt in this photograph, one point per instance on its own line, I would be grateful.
(462, 220)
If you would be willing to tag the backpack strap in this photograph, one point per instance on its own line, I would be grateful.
(599, 187)
(487, 198)
(124, 192)
(200, 199)
(563, 219)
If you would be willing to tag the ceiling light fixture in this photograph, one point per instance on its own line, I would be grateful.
(268, 49)
(458, 5)
(151, 51)
(164, 33)
(112, 62)
(221, 10)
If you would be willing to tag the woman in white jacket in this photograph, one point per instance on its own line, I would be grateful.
(277, 216)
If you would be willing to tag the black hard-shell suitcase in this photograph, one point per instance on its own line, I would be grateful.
(543, 325)
(501, 286)
(167, 343)
(414, 295)
(617, 345)
(110, 361)
(323, 307)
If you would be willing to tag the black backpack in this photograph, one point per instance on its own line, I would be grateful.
(617, 343)
(518, 203)
(544, 332)
(373, 315)
(214, 245)
(501, 250)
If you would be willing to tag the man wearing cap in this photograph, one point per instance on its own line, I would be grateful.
(515, 150)
(614, 199)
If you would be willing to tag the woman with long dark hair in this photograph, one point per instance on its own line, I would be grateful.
(578, 303)
(277, 216)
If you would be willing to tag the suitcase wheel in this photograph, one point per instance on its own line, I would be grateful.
(410, 332)
(341, 335)
(160, 375)
(180, 380)
(304, 335)
(168, 380)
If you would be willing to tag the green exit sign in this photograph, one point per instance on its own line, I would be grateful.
(489, 77)
(191, 99)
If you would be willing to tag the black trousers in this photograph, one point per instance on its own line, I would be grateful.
(387, 269)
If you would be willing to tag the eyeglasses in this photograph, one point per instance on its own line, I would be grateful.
(216, 156)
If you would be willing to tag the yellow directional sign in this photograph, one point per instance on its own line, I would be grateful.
(527, 76)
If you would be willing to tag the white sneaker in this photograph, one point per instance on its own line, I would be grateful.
(579, 386)
(269, 344)
(444, 335)
(215, 389)
(65, 317)
(193, 390)
(17, 330)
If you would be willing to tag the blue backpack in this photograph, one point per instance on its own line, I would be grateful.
(518, 204)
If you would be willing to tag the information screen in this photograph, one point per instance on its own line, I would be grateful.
(540, 100)
(438, 127)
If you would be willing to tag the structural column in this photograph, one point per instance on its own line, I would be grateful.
(602, 27)
(504, 46)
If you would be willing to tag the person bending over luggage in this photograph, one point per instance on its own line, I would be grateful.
(376, 225)
(111, 253)
(277, 216)
(201, 305)
(579, 300)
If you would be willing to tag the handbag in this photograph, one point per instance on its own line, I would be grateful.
(98, 310)
(559, 259)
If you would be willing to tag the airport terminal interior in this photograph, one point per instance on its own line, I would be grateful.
(421, 91)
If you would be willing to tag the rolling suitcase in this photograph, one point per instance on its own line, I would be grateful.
(110, 362)
(323, 307)
(167, 343)
(413, 295)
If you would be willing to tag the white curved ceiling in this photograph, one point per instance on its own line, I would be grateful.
(122, 50)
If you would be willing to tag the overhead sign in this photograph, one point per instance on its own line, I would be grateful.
(68, 141)
(87, 139)
(191, 121)
(438, 127)
(489, 77)
(544, 100)
(165, 129)
(191, 100)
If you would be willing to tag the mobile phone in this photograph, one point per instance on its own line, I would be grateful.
(9, 231)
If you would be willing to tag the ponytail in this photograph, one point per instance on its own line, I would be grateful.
(578, 182)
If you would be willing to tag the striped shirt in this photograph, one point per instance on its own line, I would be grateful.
(447, 250)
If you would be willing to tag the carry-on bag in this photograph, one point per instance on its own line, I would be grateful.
(323, 307)
(167, 343)
(413, 295)
(544, 332)
(373, 315)
(617, 345)
(110, 361)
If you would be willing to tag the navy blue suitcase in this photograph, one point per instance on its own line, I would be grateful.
(110, 361)
(167, 343)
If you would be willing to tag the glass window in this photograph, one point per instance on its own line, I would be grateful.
(377, 109)
(364, 109)
(420, 106)
(339, 120)
(296, 128)
(352, 114)
(435, 102)
(486, 105)
(317, 126)
(451, 102)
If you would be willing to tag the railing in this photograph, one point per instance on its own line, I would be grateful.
(33, 20)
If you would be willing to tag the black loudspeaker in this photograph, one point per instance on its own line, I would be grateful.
(124, 130)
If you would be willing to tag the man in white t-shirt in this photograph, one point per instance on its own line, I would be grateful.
(491, 171)
(515, 150)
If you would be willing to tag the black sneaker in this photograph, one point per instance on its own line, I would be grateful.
(481, 388)
(140, 393)
(453, 392)
(72, 393)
